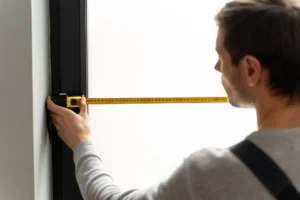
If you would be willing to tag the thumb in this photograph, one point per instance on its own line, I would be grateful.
(83, 106)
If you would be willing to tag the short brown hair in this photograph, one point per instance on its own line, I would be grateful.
(270, 31)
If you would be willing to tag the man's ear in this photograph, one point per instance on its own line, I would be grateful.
(252, 70)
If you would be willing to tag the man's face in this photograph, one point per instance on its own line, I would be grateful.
(232, 76)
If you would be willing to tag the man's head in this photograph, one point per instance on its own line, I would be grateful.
(258, 45)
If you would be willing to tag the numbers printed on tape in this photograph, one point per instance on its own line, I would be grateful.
(72, 101)
(156, 100)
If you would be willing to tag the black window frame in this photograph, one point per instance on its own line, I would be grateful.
(68, 38)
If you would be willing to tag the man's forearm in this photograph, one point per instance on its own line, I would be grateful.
(90, 175)
(96, 184)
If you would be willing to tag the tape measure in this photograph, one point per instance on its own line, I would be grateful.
(73, 101)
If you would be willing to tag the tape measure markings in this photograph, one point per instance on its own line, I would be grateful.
(156, 100)
(72, 101)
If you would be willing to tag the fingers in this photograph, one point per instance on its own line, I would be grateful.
(83, 106)
(56, 124)
(54, 115)
(54, 107)
(62, 111)
(55, 119)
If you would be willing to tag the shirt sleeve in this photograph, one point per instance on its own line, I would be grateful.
(96, 184)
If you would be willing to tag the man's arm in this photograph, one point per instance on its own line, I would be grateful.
(96, 184)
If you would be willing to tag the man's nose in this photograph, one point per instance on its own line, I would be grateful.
(217, 66)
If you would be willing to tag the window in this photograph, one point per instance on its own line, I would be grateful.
(137, 48)
(156, 48)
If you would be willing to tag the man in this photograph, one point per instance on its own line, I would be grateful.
(258, 44)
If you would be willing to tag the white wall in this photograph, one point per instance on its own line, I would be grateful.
(24, 63)
(41, 88)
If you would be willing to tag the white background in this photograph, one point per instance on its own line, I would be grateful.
(140, 48)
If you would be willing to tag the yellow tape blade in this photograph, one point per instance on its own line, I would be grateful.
(156, 100)
(72, 101)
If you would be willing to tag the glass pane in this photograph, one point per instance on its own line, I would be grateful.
(157, 48)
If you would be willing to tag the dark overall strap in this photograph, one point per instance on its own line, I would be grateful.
(266, 170)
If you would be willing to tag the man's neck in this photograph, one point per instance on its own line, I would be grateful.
(276, 114)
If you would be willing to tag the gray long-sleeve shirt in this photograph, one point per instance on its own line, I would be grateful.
(208, 174)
